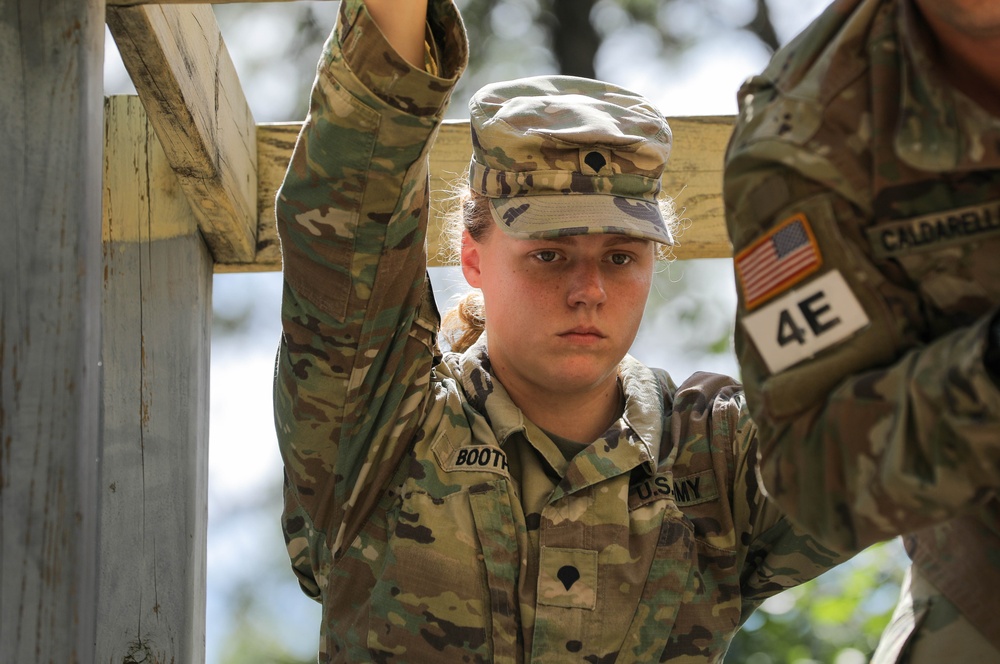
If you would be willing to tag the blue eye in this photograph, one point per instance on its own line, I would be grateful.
(546, 256)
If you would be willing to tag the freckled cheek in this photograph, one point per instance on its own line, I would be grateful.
(520, 300)
(533, 288)
(632, 292)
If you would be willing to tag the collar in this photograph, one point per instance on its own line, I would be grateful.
(631, 441)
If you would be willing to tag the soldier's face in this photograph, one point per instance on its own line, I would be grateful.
(560, 314)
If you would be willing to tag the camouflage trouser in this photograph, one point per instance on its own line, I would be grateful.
(944, 633)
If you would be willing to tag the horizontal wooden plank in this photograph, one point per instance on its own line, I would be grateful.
(182, 71)
(693, 178)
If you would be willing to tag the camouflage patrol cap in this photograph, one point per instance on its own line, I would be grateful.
(561, 155)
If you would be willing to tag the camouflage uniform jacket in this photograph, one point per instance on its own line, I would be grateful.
(863, 200)
(434, 522)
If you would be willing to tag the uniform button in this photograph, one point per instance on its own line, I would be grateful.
(569, 575)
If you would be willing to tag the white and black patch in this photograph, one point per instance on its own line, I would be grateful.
(805, 321)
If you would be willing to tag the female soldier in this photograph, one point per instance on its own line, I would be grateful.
(541, 496)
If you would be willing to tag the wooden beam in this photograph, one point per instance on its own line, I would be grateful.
(154, 478)
(182, 71)
(51, 55)
(693, 178)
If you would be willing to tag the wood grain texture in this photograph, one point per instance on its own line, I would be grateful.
(51, 54)
(693, 178)
(185, 77)
(157, 311)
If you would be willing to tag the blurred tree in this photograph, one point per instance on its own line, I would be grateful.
(510, 38)
(276, 46)
(834, 619)
(574, 39)
(575, 35)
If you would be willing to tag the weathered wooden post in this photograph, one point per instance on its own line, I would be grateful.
(157, 313)
(180, 193)
(51, 68)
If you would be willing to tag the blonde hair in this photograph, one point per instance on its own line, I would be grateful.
(463, 324)
(466, 321)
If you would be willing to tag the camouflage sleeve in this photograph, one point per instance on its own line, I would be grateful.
(774, 554)
(866, 431)
(358, 323)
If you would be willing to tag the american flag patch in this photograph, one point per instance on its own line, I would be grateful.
(775, 262)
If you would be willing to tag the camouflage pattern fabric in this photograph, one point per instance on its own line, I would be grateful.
(944, 634)
(863, 200)
(430, 518)
(562, 155)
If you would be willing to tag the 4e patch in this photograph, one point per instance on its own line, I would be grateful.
(805, 321)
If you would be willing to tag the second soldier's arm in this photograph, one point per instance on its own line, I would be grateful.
(775, 554)
(878, 433)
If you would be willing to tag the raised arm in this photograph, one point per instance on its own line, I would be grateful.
(402, 22)
(359, 326)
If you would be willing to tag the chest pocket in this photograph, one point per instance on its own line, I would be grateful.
(950, 257)
(958, 283)
(445, 589)
(668, 584)
(694, 567)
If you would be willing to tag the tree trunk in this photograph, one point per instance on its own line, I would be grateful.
(574, 39)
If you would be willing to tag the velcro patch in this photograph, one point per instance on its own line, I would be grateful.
(783, 257)
(593, 160)
(567, 578)
(689, 490)
(807, 320)
(477, 457)
(933, 231)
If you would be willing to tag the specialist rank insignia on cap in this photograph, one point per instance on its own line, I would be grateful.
(783, 257)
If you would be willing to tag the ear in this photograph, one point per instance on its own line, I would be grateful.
(471, 257)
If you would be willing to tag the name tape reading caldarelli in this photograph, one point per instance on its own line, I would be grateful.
(935, 230)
